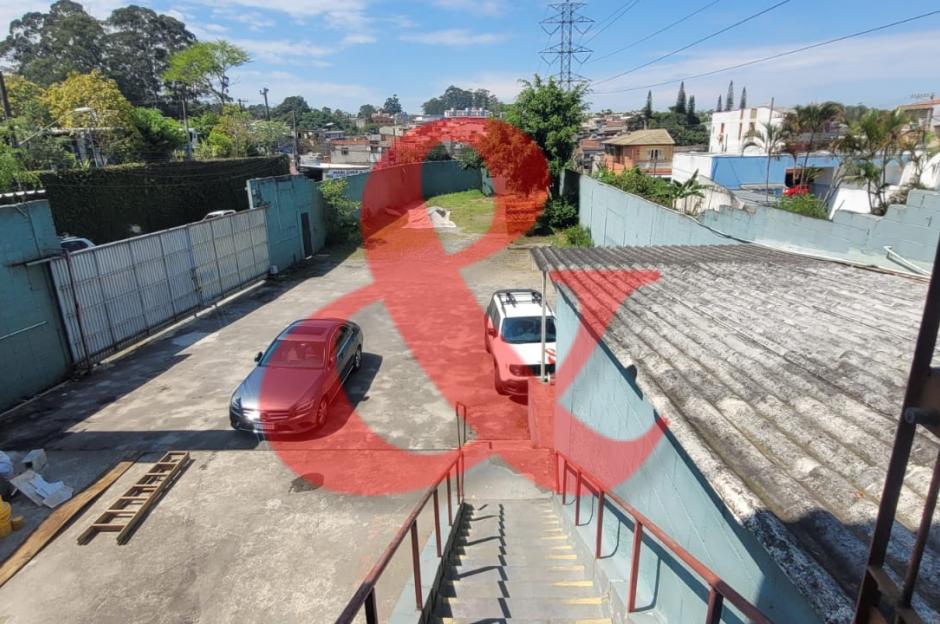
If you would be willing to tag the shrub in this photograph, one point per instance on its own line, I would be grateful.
(635, 181)
(560, 214)
(342, 215)
(806, 205)
(575, 236)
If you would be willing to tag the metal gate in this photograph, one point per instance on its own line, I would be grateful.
(113, 295)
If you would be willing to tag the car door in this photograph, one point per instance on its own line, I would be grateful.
(489, 322)
(343, 351)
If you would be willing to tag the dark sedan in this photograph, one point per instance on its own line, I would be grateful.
(298, 377)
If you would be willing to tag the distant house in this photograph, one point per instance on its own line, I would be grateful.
(730, 130)
(649, 150)
(462, 113)
(925, 115)
(589, 152)
(359, 151)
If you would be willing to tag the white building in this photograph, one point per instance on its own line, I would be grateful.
(729, 129)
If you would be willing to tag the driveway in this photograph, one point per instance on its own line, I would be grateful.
(240, 536)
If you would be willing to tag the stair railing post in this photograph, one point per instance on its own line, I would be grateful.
(437, 524)
(564, 480)
(372, 616)
(577, 500)
(450, 511)
(600, 524)
(715, 600)
(635, 564)
(416, 562)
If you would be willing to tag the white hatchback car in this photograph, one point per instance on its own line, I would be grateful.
(513, 334)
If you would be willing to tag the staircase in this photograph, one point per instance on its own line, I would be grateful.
(513, 562)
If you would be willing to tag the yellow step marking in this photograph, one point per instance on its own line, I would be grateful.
(593, 600)
(554, 537)
(562, 557)
(573, 584)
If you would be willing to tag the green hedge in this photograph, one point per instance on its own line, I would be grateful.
(109, 204)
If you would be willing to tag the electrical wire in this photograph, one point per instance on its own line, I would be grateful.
(623, 10)
(696, 42)
(658, 32)
(772, 57)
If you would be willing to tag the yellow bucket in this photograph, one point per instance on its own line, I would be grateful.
(6, 526)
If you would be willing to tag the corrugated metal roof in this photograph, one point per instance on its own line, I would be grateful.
(788, 371)
(657, 136)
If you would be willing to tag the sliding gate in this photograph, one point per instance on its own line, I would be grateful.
(113, 295)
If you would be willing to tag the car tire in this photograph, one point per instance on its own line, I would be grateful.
(323, 411)
(497, 382)
(357, 359)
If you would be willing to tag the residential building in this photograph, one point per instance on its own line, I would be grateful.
(926, 115)
(589, 154)
(730, 129)
(649, 150)
(359, 151)
(473, 113)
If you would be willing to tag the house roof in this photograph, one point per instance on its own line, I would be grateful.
(782, 377)
(920, 105)
(657, 136)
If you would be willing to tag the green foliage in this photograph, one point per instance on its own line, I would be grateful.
(324, 117)
(469, 158)
(552, 116)
(293, 105)
(342, 216)
(574, 236)
(160, 136)
(635, 181)
(455, 97)
(13, 176)
(807, 205)
(438, 152)
(203, 67)
(559, 214)
(685, 129)
(366, 111)
(648, 108)
(104, 204)
(392, 106)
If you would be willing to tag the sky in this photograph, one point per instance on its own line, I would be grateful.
(345, 53)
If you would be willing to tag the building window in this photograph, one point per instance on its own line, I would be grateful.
(655, 154)
(344, 151)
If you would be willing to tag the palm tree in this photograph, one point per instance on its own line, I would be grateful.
(811, 119)
(773, 139)
(872, 143)
(690, 188)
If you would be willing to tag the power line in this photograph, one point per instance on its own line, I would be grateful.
(697, 41)
(658, 32)
(623, 10)
(566, 22)
(772, 57)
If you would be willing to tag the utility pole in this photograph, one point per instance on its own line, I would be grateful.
(241, 103)
(189, 135)
(7, 111)
(565, 23)
(267, 111)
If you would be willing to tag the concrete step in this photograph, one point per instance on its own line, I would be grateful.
(507, 546)
(522, 608)
(519, 589)
(528, 559)
(493, 573)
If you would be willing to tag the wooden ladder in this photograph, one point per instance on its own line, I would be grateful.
(128, 510)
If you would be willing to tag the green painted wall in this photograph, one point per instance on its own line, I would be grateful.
(33, 349)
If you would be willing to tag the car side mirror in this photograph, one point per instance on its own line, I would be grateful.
(259, 356)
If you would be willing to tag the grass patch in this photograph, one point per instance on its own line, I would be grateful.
(472, 211)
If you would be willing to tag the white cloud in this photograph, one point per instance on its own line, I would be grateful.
(504, 85)
(297, 8)
(277, 51)
(358, 39)
(486, 7)
(878, 70)
(318, 93)
(456, 37)
(215, 28)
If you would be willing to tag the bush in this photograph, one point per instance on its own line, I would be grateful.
(560, 214)
(342, 213)
(806, 205)
(575, 236)
(635, 181)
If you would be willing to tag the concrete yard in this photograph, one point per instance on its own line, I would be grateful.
(240, 536)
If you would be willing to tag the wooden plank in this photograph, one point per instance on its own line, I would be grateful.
(57, 520)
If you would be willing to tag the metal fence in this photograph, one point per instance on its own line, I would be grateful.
(113, 295)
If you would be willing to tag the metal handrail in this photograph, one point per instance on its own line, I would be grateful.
(365, 595)
(718, 590)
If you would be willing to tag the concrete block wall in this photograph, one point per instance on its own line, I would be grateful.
(33, 348)
(618, 218)
(671, 492)
(912, 230)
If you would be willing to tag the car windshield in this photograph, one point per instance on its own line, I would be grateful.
(73, 245)
(525, 329)
(294, 354)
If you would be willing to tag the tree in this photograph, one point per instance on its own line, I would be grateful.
(366, 111)
(160, 136)
(718, 109)
(810, 121)
(773, 139)
(94, 102)
(648, 109)
(46, 47)
(457, 98)
(871, 144)
(690, 188)
(292, 104)
(138, 46)
(681, 100)
(552, 116)
(690, 113)
(204, 67)
(743, 98)
(729, 99)
(392, 106)
(13, 175)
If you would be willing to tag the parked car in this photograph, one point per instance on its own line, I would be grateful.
(512, 333)
(297, 377)
(72, 244)
(792, 191)
(215, 214)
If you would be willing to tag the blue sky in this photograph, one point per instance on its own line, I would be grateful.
(343, 53)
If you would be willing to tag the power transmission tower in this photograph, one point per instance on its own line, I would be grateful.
(565, 23)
